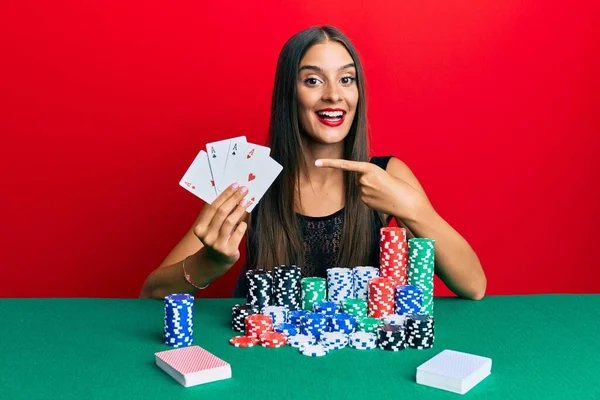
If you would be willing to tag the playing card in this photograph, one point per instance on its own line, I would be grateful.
(235, 174)
(192, 365)
(237, 149)
(454, 371)
(217, 158)
(257, 174)
(198, 178)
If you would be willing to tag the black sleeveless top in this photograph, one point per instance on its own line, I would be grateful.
(321, 237)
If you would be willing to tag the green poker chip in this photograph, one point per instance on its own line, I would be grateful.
(421, 266)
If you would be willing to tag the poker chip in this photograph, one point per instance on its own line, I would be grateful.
(272, 339)
(287, 289)
(299, 340)
(393, 253)
(394, 319)
(286, 329)
(314, 290)
(356, 307)
(295, 316)
(368, 324)
(420, 331)
(326, 308)
(314, 324)
(421, 263)
(333, 340)
(360, 278)
(279, 314)
(340, 285)
(362, 340)
(381, 297)
(239, 312)
(257, 324)
(178, 322)
(260, 288)
(342, 322)
(244, 341)
(409, 300)
(391, 338)
(313, 350)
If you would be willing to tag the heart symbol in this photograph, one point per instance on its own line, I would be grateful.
(251, 177)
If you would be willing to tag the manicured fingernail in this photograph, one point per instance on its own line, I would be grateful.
(244, 203)
(319, 163)
(235, 186)
(244, 189)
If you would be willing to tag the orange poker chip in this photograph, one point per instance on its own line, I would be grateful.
(244, 341)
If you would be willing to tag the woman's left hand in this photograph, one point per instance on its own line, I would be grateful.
(378, 189)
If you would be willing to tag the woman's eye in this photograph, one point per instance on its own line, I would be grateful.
(347, 80)
(311, 81)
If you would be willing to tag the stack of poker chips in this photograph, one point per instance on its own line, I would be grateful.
(340, 285)
(421, 263)
(179, 314)
(286, 287)
(393, 252)
(257, 324)
(356, 307)
(314, 324)
(419, 331)
(296, 316)
(317, 333)
(368, 324)
(239, 312)
(394, 319)
(314, 290)
(342, 322)
(409, 300)
(278, 314)
(391, 338)
(363, 340)
(260, 288)
(288, 329)
(381, 297)
(360, 277)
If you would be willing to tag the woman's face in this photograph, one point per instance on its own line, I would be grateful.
(327, 92)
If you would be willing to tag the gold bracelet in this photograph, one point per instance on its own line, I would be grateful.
(187, 277)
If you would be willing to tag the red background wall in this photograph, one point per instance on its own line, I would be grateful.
(494, 105)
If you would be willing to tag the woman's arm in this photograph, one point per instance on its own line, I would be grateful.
(456, 263)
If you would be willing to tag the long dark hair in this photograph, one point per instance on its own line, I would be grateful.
(273, 230)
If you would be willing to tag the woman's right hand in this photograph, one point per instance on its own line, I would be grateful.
(221, 226)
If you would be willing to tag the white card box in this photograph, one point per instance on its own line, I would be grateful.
(454, 371)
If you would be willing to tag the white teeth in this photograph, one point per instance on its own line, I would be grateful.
(331, 114)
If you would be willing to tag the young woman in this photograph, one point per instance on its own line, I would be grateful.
(326, 207)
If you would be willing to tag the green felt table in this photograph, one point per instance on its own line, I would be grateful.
(541, 346)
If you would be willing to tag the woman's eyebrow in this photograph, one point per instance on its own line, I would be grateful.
(318, 69)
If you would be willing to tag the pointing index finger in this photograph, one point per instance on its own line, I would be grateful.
(346, 165)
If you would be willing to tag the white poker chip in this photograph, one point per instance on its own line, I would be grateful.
(313, 350)
(333, 340)
(394, 319)
(299, 340)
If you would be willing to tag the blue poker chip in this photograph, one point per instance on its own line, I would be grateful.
(178, 320)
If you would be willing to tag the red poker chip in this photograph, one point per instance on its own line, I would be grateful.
(273, 338)
(244, 341)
